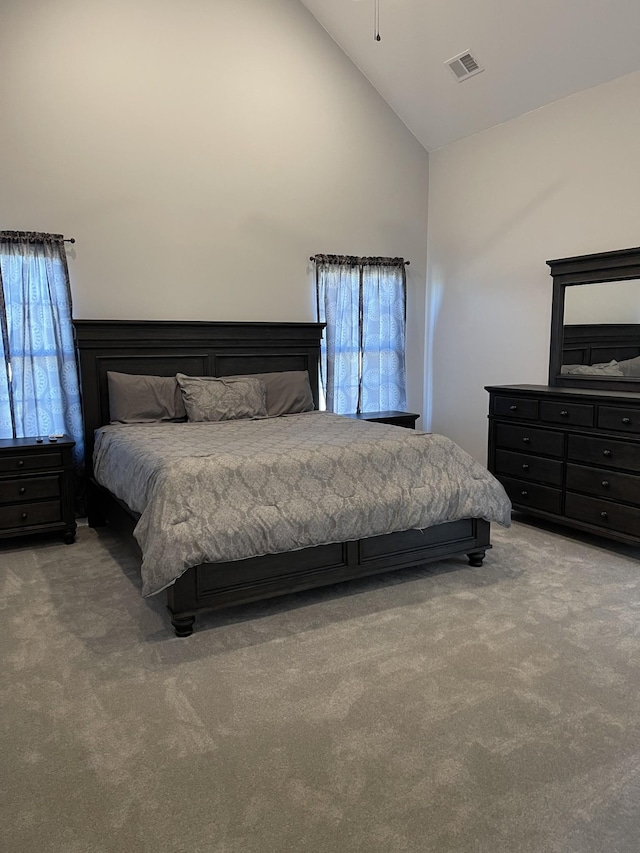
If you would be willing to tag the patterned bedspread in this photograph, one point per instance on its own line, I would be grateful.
(211, 492)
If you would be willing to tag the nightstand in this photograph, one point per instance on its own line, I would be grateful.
(36, 487)
(403, 419)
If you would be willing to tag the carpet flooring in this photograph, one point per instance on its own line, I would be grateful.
(491, 710)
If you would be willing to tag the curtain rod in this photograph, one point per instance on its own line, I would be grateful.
(312, 258)
(69, 239)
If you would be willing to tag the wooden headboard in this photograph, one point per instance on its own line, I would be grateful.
(167, 347)
(595, 343)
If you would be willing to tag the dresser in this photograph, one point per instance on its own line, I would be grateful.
(37, 487)
(570, 455)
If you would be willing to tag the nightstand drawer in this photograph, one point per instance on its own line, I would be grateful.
(532, 495)
(605, 514)
(604, 451)
(28, 515)
(619, 419)
(604, 484)
(532, 440)
(29, 489)
(29, 462)
(529, 467)
(516, 407)
(575, 414)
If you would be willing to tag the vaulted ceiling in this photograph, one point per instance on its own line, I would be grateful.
(533, 52)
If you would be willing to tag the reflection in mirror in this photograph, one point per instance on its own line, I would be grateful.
(613, 302)
(601, 330)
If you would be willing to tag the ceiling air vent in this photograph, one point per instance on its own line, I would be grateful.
(464, 65)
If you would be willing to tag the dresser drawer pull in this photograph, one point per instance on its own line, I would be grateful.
(626, 421)
(564, 413)
(606, 453)
(604, 514)
(524, 493)
(20, 463)
(21, 490)
(513, 408)
(24, 516)
(526, 439)
(605, 483)
(525, 466)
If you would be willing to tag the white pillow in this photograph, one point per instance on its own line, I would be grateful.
(630, 366)
(611, 368)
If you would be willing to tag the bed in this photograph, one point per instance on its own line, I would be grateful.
(308, 558)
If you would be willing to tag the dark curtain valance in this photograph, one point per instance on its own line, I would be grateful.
(354, 261)
(30, 237)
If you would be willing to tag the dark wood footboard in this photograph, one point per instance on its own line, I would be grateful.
(211, 586)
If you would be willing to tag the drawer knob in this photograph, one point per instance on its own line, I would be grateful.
(564, 413)
(626, 421)
(524, 493)
(24, 516)
(21, 490)
(605, 483)
(604, 514)
(20, 463)
(526, 439)
(606, 453)
(513, 408)
(525, 466)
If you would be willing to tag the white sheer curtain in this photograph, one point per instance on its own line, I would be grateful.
(363, 303)
(39, 388)
(383, 338)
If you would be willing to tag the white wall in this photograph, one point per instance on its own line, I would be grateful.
(563, 180)
(200, 152)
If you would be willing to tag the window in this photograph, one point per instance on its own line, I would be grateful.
(363, 303)
(39, 390)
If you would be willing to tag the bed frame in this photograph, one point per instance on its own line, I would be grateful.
(165, 348)
(596, 343)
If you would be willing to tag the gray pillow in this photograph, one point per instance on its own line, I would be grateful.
(288, 392)
(136, 398)
(630, 366)
(207, 398)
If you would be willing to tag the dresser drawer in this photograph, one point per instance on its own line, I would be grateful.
(605, 484)
(28, 515)
(528, 467)
(604, 514)
(576, 414)
(29, 462)
(516, 407)
(603, 451)
(29, 489)
(620, 419)
(531, 440)
(532, 495)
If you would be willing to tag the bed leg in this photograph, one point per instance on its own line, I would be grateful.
(183, 625)
(476, 558)
(95, 512)
(96, 519)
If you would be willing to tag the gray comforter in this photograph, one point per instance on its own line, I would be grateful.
(211, 492)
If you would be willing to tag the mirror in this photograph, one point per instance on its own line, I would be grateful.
(595, 326)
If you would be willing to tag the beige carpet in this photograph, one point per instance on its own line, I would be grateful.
(491, 710)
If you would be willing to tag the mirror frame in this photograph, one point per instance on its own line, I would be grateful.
(621, 265)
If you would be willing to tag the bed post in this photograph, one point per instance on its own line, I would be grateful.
(182, 603)
(482, 531)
